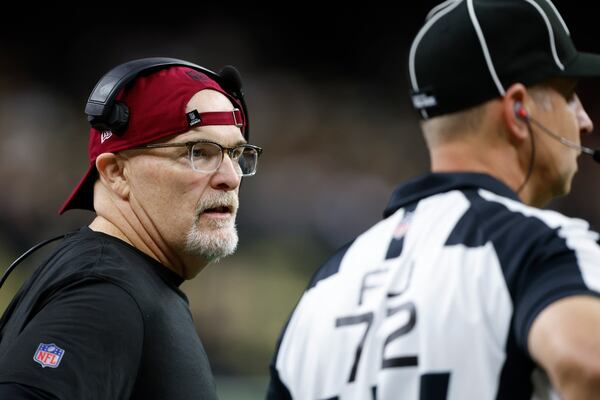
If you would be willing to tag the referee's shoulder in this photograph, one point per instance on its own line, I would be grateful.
(551, 218)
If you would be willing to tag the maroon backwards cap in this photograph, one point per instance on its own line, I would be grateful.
(157, 104)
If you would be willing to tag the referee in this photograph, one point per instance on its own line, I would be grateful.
(104, 317)
(467, 290)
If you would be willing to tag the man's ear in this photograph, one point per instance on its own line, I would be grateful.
(515, 112)
(111, 169)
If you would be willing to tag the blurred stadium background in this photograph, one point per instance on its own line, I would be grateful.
(328, 103)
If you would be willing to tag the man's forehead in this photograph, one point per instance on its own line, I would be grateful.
(209, 100)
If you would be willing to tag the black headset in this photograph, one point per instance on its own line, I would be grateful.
(106, 114)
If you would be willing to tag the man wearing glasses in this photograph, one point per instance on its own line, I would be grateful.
(103, 317)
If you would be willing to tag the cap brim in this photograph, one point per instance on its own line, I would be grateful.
(83, 195)
(584, 65)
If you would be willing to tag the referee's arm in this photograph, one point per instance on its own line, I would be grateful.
(565, 340)
(15, 391)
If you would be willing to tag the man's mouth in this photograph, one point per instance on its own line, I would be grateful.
(218, 210)
(221, 208)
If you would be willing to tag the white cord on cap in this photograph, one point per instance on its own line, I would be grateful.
(550, 33)
(484, 48)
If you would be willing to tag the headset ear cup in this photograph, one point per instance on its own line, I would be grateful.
(231, 81)
(116, 121)
(119, 117)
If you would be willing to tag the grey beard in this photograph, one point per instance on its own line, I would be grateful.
(220, 238)
(213, 244)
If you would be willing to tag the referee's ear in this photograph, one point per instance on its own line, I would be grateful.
(512, 103)
(111, 170)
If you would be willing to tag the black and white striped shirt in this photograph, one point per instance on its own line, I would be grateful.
(435, 302)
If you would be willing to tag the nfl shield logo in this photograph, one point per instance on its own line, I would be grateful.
(48, 355)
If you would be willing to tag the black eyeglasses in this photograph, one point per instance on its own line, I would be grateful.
(206, 156)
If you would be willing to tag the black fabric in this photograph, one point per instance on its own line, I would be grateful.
(14, 391)
(440, 182)
(120, 318)
(470, 52)
(434, 386)
(515, 377)
(276, 389)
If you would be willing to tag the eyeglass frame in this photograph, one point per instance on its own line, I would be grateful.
(190, 146)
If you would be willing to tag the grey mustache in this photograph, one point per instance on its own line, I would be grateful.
(229, 200)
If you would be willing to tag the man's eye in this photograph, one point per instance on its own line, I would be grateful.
(199, 153)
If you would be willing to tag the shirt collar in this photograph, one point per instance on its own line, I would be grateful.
(162, 270)
(433, 183)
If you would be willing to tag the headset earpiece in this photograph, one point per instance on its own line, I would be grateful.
(231, 81)
(520, 111)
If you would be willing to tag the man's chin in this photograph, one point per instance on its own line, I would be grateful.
(212, 244)
(210, 222)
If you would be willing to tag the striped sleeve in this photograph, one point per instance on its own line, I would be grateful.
(546, 257)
